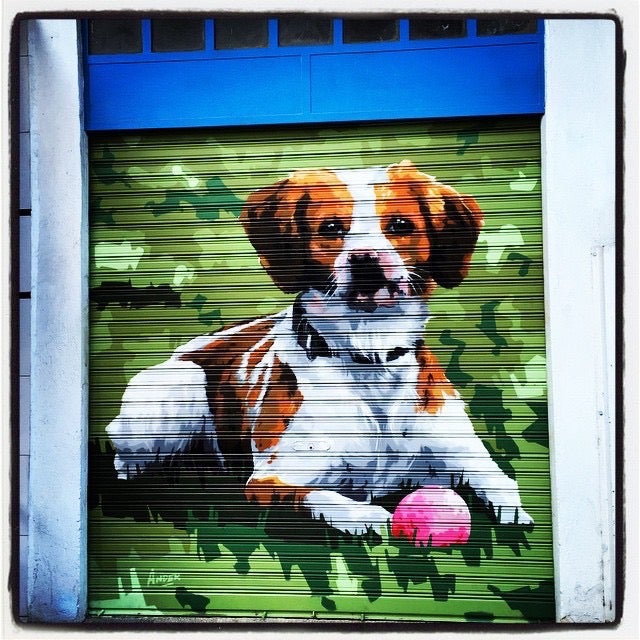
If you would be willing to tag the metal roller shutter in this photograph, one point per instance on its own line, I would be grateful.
(170, 261)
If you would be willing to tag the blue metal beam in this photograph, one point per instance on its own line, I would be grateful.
(457, 77)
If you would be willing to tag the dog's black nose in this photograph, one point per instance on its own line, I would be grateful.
(364, 266)
(366, 273)
(363, 258)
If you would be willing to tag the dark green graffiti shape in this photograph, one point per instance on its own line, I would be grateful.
(208, 548)
(479, 616)
(525, 262)
(442, 585)
(313, 561)
(173, 493)
(410, 567)
(480, 543)
(536, 604)
(512, 536)
(126, 295)
(104, 171)
(221, 197)
(205, 317)
(538, 430)
(360, 563)
(487, 403)
(211, 317)
(241, 541)
(196, 602)
(454, 371)
(489, 327)
(209, 203)
(468, 138)
(301, 545)
(101, 214)
(198, 302)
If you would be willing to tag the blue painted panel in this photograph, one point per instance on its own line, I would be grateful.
(194, 92)
(490, 80)
(471, 76)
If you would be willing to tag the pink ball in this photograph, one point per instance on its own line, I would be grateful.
(432, 513)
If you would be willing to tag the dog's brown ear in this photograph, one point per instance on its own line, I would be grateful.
(269, 219)
(454, 222)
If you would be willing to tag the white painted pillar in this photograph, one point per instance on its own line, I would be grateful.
(578, 151)
(56, 581)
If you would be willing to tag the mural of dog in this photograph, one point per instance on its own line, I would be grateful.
(336, 400)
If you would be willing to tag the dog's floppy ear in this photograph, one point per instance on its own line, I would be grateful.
(453, 234)
(270, 220)
(278, 220)
(453, 224)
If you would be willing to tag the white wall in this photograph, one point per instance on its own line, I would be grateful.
(579, 173)
(24, 309)
(578, 181)
(57, 483)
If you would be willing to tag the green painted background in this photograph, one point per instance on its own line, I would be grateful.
(169, 261)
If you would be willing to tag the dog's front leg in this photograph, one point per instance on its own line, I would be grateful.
(498, 492)
(450, 454)
(338, 511)
(345, 514)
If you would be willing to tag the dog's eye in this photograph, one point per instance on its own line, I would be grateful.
(400, 226)
(332, 228)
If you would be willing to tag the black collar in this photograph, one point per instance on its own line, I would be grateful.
(315, 346)
(308, 336)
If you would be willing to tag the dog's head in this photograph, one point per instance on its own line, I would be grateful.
(368, 236)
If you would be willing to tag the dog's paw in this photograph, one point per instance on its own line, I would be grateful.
(361, 520)
(349, 516)
(513, 515)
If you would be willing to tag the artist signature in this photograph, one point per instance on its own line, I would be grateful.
(162, 578)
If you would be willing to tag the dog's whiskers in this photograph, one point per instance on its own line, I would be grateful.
(417, 281)
(331, 287)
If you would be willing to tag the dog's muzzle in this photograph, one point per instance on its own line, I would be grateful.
(369, 287)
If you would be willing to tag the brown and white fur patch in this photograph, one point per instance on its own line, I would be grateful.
(336, 400)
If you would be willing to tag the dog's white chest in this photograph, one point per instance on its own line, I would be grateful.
(351, 429)
(379, 394)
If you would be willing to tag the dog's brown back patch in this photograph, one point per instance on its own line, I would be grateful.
(280, 403)
(222, 359)
(433, 387)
